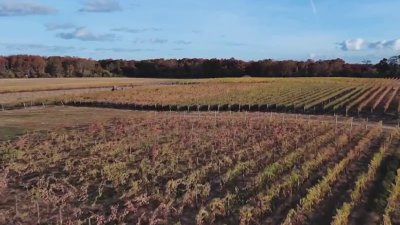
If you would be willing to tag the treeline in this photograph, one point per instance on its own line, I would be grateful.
(20, 66)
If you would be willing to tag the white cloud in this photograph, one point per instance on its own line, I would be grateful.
(183, 42)
(158, 41)
(314, 8)
(101, 6)
(378, 45)
(134, 31)
(151, 41)
(361, 44)
(59, 26)
(37, 47)
(394, 44)
(18, 8)
(353, 44)
(84, 34)
(125, 49)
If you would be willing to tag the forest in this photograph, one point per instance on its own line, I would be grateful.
(29, 66)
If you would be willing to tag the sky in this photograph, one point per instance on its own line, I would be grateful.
(354, 30)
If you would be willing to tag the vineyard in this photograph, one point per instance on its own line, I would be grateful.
(351, 97)
(205, 168)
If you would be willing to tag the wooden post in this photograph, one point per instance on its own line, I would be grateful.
(336, 121)
(24, 105)
(44, 106)
(351, 126)
(215, 116)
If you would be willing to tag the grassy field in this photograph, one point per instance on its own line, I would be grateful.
(45, 84)
(12, 98)
(17, 122)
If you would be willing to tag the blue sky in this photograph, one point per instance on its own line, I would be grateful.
(245, 29)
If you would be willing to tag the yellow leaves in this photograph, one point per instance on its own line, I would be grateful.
(318, 192)
(217, 207)
(116, 172)
(202, 217)
(241, 167)
(342, 215)
(135, 188)
(393, 200)
(246, 215)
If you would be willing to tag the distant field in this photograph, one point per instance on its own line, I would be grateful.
(43, 84)
(11, 98)
(346, 96)
(312, 95)
(15, 91)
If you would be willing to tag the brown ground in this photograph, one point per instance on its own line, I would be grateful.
(17, 122)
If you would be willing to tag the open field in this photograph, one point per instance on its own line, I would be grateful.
(17, 91)
(46, 84)
(78, 165)
(27, 97)
(113, 166)
(17, 122)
